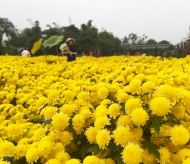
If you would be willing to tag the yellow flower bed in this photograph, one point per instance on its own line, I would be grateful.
(94, 110)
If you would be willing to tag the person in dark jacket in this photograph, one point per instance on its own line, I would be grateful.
(71, 53)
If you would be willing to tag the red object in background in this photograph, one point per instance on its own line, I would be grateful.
(98, 54)
(88, 53)
(137, 53)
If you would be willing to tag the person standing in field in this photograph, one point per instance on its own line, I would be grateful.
(71, 51)
(25, 53)
(98, 54)
(137, 53)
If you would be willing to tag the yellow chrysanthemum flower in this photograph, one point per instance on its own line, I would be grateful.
(114, 110)
(134, 85)
(147, 86)
(184, 153)
(160, 106)
(123, 120)
(175, 159)
(14, 129)
(45, 148)
(167, 91)
(62, 156)
(4, 162)
(178, 111)
(184, 95)
(20, 151)
(109, 161)
(164, 155)
(53, 161)
(179, 135)
(54, 135)
(58, 146)
(101, 110)
(41, 102)
(60, 121)
(39, 133)
(101, 122)
(83, 96)
(122, 136)
(103, 138)
(186, 161)
(49, 112)
(7, 148)
(86, 113)
(105, 102)
(68, 109)
(91, 133)
(165, 130)
(137, 133)
(53, 95)
(132, 154)
(73, 161)
(66, 137)
(69, 95)
(132, 104)
(122, 97)
(91, 160)
(139, 116)
(78, 121)
(148, 158)
(32, 155)
(102, 92)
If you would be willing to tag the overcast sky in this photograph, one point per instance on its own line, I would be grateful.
(158, 19)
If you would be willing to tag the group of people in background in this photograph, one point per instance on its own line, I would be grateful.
(90, 53)
(71, 52)
(163, 52)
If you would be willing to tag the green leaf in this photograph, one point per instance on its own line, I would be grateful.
(156, 123)
(93, 80)
(145, 106)
(83, 149)
(173, 119)
(152, 148)
(94, 149)
(136, 95)
(52, 41)
(37, 46)
(118, 159)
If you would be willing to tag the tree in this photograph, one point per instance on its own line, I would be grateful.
(151, 42)
(108, 43)
(89, 37)
(164, 42)
(7, 30)
(30, 35)
(73, 32)
(52, 30)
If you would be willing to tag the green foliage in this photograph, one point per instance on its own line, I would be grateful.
(94, 149)
(37, 46)
(156, 122)
(151, 42)
(152, 148)
(52, 41)
(172, 119)
(164, 42)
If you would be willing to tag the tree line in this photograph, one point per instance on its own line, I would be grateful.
(88, 38)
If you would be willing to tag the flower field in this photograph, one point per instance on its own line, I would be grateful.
(108, 110)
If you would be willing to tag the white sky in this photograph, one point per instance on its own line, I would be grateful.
(158, 19)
